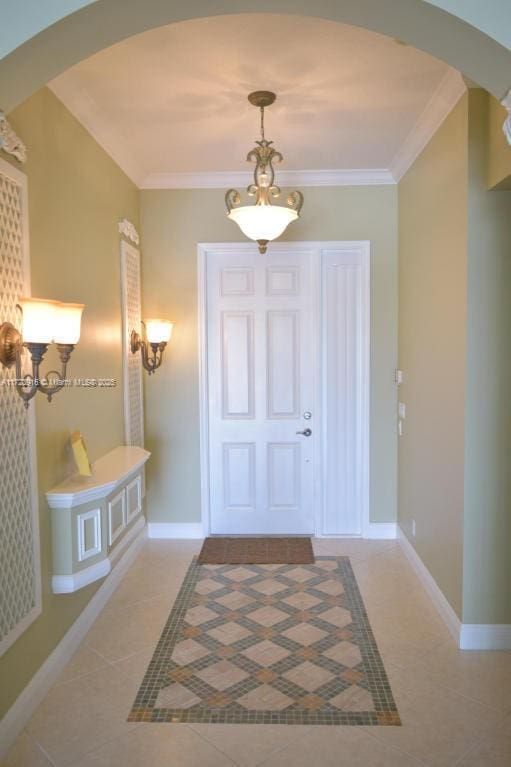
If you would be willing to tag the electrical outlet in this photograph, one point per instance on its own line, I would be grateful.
(413, 527)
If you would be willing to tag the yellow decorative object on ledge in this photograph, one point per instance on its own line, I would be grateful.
(80, 455)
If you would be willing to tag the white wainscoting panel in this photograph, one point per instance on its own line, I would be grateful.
(20, 575)
(89, 534)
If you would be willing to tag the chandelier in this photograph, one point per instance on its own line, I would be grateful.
(263, 221)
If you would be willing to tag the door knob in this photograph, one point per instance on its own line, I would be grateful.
(305, 432)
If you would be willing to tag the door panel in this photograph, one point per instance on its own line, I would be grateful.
(342, 387)
(283, 368)
(260, 377)
(238, 364)
(239, 475)
(284, 475)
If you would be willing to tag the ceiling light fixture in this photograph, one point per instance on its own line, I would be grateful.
(263, 221)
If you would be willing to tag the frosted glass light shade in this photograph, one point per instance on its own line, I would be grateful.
(263, 222)
(67, 323)
(39, 315)
(158, 331)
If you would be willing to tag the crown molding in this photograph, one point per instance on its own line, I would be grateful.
(286, 178)
(450, 90)
(506, 103)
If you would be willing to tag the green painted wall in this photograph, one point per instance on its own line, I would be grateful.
(432, 350)
(487, 533)
(77, 195)
(173, 222)
(454, 320)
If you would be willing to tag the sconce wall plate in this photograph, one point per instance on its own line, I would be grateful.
(10, 342)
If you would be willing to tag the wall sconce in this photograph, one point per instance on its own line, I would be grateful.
(43, 322)
(158, 333)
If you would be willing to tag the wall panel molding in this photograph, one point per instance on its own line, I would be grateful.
(20, 571)
(132, 363)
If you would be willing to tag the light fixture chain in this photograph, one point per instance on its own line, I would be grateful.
(262, 123)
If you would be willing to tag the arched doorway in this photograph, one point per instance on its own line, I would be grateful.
(106, 22)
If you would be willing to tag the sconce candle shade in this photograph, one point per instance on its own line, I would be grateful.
(67, 323)
(263, 222)
(39, 319)
(43, 322)
(158, 331)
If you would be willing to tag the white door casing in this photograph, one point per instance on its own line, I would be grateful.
(281, 335)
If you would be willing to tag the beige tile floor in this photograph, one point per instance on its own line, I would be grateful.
(455, 707)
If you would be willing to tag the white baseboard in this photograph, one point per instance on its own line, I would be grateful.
(380, 531)
(67, 584)
(480, 636)
(175, 530)
(374, 530)
(443, 607)
(26, 703)
(468, 636)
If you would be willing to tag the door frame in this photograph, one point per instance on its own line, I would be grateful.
(316, 248)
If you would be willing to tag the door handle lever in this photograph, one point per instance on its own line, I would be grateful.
(305, 432)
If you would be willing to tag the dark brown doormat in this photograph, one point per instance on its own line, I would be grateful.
(257, 551)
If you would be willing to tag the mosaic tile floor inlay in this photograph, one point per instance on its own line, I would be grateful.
(272, 644)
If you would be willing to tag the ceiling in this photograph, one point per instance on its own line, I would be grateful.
(173, 100)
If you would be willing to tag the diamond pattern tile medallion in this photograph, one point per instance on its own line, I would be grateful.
(222, 675)
(308, 675)
(267, 616)
(304, 634)
(266, 653)
(281, 644)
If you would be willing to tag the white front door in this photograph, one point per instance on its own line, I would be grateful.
(260, 370)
